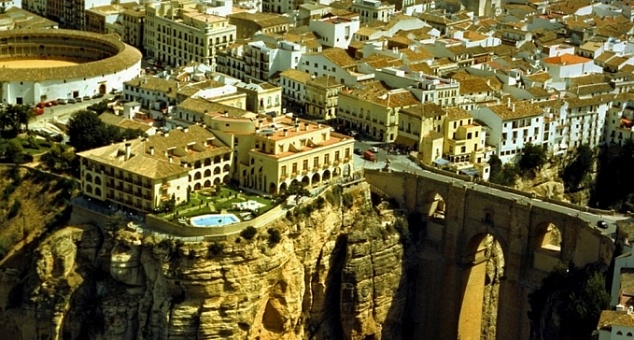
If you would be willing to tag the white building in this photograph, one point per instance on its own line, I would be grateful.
(512, 125)
(569, 65)
(336, 31)
(440, 91)
(372, 10)
(334, 62)
(177, 33)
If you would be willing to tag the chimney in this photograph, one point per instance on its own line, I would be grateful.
(166, 134)
(185, 129)
(170, 158)
(152, 150)
(183, 164)
(513, 108)
(306, 125)
(285, 132)
(296, 127)
(127, 150)
(319, 125)
(508, 102)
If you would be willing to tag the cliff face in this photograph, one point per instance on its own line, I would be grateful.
(337, 272)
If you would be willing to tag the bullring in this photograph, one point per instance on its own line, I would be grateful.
(40, 65)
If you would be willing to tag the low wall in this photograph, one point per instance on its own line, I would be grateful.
(223, 232)
(507, 189)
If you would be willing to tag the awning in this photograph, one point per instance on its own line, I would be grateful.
(441, 161)
(406, 141)
(470, 172)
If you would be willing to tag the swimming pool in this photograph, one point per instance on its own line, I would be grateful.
(213, 220)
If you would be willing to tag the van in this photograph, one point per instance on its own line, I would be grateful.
(370, 156)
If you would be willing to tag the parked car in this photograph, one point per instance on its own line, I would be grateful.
(78, 100)
(61, 101)
(40, 104)
(97, 95)
(86, 98)
(71, 101)
(602, 224)
(368, 155)
(38, 111)
(358, 151)
(374, 149)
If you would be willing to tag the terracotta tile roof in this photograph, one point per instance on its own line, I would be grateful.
(186, 146)
(456, 113)
(296, 75)
(325, 81)
(521, 109)
(122, 122)
(423, 110)
(539, 77)
(605, 56)
(155, 84)
(420, 54)
(378, 93)
(339, 57)
(474, 85)
(595, 100)
(588, 79)
(538, 92)
(201, 105)
(566, 59)
(381, 61)
(609, 318)
(594, 89)
(262, 19)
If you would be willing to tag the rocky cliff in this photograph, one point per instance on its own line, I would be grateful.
(338, 271)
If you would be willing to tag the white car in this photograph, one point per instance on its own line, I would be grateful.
(374, 149)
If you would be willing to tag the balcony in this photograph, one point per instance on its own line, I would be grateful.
(326, 165)
(165, 185)
(283, 178)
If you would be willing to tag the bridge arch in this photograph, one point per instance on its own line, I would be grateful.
(547, 246)
(483, 271)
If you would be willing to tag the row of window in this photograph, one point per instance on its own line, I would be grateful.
(315, 164)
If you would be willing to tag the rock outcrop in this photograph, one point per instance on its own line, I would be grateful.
(337, 272)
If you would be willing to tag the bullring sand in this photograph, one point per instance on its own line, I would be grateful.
(35, 63)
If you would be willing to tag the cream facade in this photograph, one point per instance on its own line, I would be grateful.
(372, 10)
(291, 152)
(191, 34)
(322, 97)
(145, 174)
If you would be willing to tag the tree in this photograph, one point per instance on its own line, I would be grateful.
(299, 191)
(85, 131)
(575, 172)
(12, 151)
(503, 174)
(532, 159)
(21, 115)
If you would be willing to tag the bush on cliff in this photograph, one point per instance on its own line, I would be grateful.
(248, 233)
(274, 236)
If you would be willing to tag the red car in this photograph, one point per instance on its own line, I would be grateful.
(38, 111)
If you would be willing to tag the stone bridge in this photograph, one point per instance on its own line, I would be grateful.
(483, 249)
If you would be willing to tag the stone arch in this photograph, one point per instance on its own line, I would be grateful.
(305, 181)
(226, 168)
(326, 176)
(217, 170)
(226, 179)
(88, 178)
(336, 171)
(207, 184)
(483, 263)
(207, 173)
(98, 191)
(97, 180)
(315, 178)
(197, 175)
(547, 247)
(197, 186)
(89, 188)
(434, 206)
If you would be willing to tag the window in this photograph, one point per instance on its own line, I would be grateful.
(283, 170)
(316, 161)
(305, 165)
(295, 168)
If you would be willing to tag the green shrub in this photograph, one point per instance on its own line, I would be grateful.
(15, 209)
(348, 200)
(274, 236)
(8, 190)
(320, 202)
(216, 248)
(248, 233)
